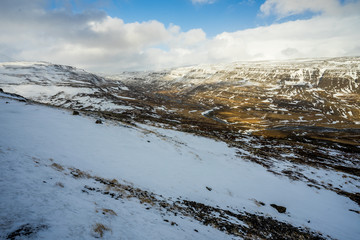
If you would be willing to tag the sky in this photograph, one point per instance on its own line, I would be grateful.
(112, 36)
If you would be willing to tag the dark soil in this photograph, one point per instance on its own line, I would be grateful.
(25, 230)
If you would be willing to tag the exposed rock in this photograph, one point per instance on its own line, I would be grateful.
(256, 226)
(258, 203)
(355, 211)
(280, 209)
(59, 184)
(25, 231)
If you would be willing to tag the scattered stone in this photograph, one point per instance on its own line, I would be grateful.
(148, 141)
(77, 173)
(208, 188)
(355, 211)
(280, 209)
(98, 121)
(196, 230)
(76, 113)
(258, 203)
(221, 219)
(59, 184)
(25, 230)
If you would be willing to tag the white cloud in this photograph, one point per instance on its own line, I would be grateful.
(284, 8)
(317, 37)
(98, 42)
(114, 32)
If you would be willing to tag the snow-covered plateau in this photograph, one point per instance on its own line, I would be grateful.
(189, 153)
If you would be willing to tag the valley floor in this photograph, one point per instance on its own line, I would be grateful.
(65, 177)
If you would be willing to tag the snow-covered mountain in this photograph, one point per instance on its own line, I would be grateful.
(328, 87)
(266, 150)
(284, 113)
(58, 85)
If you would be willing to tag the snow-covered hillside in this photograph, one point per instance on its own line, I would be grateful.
(59, 85)
(260, 150)
(328, 89)
(55, 166)
(314, 73)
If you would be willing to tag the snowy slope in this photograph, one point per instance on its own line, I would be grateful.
(59, 85)
(291, 72)
(343, 72)
(327, 87)
(40, 145)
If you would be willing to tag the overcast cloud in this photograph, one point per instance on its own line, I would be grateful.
(97, 42)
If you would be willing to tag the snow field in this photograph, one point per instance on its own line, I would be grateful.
(165, 162)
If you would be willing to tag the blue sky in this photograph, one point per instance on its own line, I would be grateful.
(117, 35)
(214, 17)
(220, 16)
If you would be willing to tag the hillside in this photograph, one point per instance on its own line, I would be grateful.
(243, 150)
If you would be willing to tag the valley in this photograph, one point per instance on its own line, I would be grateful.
(295, 121)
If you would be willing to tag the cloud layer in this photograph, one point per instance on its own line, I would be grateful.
(285, 8)
(97, 42)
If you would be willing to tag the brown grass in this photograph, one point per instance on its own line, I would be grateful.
(57, 167)
(271, 134)
(99, 229)
(146, 200)
(342, 141)
(108, 211)
(114, 181)
(77, 173)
